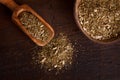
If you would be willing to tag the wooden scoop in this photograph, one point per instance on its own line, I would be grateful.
(17, 10)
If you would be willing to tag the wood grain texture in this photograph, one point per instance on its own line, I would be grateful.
(92, 61)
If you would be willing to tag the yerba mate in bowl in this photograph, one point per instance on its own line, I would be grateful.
(99, 19)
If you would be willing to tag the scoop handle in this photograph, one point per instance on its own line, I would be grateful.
(10, 4)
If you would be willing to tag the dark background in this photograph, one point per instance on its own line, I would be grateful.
(91, 61)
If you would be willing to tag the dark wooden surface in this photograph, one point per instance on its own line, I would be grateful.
(92, 61)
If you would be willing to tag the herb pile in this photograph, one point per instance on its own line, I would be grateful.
(56, 55)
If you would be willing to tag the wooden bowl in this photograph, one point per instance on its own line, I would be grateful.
(77, 3)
